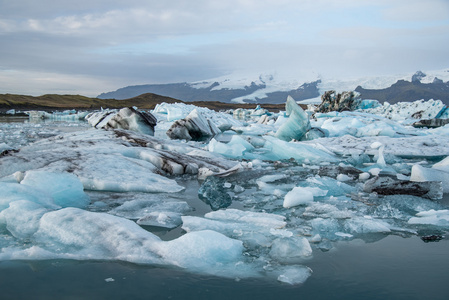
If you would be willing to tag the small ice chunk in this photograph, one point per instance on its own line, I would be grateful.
(364, 225)
(141, 208)
(298, 196)
(364, 176)
(168, 220)
(253, 218)
(344, 235)
(236, 147)
(375, 171)
(109, 279)
(343, 177)
(290, 249)
(376, 145)
(203, 250)
(431, 217)
(272, 178)
(238, 189)
(214, 193)
(315, 239)
(295, 275)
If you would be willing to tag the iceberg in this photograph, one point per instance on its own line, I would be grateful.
(88, 194)
(194, 127)
(65, 189)
(420, 174)
(297, 123)
(126, 118)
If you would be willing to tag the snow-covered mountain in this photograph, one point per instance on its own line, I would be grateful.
(274, 88)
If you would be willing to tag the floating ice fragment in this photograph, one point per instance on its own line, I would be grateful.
(364, 176)
(344, 235)
(10, 192)
(254, 218)
(386, 185)
(357, 225)
(376, 145)
(141, 208)
(298, 196)
(213, 192)
(278, 150)
(236, 148)
(431, 217)
(168, 220)
(343, 178)
(65, 188)
(203, 250)
(295, 275)
(421, 174)
(291, 249)
(22, 218)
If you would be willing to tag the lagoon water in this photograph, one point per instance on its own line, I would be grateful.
(391, 268)
(380, 266)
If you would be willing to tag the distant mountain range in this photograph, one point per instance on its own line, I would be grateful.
(270, 89)
(404, 90)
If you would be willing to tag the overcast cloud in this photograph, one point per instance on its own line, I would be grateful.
(89, 47)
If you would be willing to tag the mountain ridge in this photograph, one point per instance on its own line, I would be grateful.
(270, 89)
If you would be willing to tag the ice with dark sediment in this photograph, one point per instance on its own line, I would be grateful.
(193, 127)
(271, 203)
(126, 118)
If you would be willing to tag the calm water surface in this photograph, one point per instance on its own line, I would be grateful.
(391, 268)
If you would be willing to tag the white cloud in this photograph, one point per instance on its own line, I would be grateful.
(137, 41)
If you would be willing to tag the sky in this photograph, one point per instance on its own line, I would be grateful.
(92, 46)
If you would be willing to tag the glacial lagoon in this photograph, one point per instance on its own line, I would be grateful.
(338, 241)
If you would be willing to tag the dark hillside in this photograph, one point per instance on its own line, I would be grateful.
(406, 91)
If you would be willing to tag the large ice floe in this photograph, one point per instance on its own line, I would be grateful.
(188, 187)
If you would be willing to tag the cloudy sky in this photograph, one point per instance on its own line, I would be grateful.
(92, 46)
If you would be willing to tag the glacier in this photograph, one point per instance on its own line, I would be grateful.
(252, 200)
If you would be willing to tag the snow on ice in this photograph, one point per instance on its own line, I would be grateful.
(256, 195)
